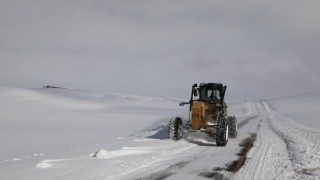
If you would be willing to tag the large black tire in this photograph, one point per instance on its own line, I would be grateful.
(232, 124)
(175, 128)
(222, 134)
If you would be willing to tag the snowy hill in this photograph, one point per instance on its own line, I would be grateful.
(303, 108)
(39, 122)
(75, 134)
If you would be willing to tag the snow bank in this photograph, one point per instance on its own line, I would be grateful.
(102, 154)
(43, 165)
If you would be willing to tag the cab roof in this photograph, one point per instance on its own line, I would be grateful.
(212, 85)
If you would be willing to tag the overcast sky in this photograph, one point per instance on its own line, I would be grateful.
(259, 48)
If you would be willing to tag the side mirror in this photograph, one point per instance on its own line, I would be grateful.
(195, 92)
(183, 103)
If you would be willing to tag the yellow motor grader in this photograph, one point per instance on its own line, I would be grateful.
(208, 113)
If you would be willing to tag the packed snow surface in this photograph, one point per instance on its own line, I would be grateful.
(74, 134)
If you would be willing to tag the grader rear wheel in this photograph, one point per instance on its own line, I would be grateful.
(232, 123)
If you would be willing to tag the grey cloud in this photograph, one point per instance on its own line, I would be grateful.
(259, 48)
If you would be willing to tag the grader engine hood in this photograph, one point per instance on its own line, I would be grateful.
(202, 115)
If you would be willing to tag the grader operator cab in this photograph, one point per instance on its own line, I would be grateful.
(208, 113)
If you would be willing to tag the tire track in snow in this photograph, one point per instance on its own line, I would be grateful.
(244, 122)
(302, 144)
(142, 166)
(181, 164)
(268, 159)
(163, 174)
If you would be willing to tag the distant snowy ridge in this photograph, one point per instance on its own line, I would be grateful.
(51, 86)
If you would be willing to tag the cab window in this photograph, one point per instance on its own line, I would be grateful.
(217, 95)
(206, 93)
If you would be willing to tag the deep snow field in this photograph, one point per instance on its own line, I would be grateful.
(76, 134)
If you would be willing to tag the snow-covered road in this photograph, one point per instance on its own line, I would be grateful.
(283, 149)
(125, 137)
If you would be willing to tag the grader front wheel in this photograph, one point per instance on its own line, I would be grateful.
(175, 128)
(222, 134)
